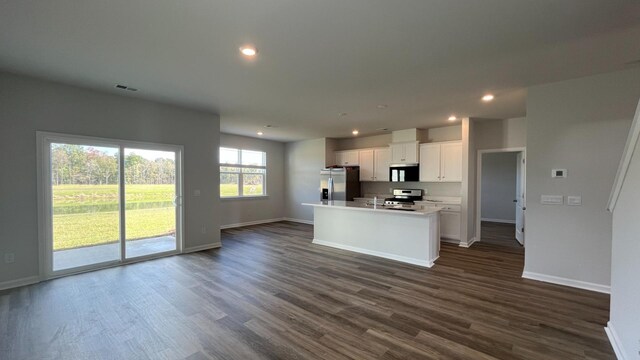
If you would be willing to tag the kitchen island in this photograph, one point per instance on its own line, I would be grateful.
(408, 236)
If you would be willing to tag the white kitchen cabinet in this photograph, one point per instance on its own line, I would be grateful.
(404, 153)
(441, 162)
(382, 160)
(347, 158)
(449, 219)
(450, 225)
(374, 164)
(367, 165)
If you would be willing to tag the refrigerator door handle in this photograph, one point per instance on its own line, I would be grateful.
(330, 189)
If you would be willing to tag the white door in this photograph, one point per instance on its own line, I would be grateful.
(382, 161)
(520, 197)
(366, 165)
(429, 163)
(451, 167)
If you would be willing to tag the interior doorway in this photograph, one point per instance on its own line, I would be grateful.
(500, 201)
(105, 202)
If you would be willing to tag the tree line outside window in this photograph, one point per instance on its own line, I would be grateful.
(86, 165)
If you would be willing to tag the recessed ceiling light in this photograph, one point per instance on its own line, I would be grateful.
(355, 132)
(248, 50)
(487, 97)
(260, 133)
(453, 118)
(382, 106)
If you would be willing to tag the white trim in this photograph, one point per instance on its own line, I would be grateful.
(449, 241)
(467, 244)
(308, 222)
(606, 289)
(248, 223)
(403, 259)
(478, 215)
(623, 167)
(616, 344)
(19, 282)
(201, 248)
(504, 221)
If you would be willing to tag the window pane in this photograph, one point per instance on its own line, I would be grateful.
(229, 169)
(229, 185)
(256, 158)
(253, 171)
(253, 184)
(228, 156)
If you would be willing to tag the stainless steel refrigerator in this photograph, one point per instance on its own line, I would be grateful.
(339, 183)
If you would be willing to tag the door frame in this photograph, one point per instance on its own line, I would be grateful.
(478, 219)
(45, 216)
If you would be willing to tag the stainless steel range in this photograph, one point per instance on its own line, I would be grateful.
(404, 197)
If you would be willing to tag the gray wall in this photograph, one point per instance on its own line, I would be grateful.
(580, 125)
(238, 211)
(500, 134)
(625, 259)
(303, 161)
(499, 186)
(28, 104)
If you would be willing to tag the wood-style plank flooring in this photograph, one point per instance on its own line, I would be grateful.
(500, 234)
(271, 294)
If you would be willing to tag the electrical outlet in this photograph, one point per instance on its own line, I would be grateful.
(9, 258)
(204, 230)
(196, 192)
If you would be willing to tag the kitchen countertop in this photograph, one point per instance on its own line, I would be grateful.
(358, 206)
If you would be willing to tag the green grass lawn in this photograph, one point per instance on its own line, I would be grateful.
(232, 190)
(86, 215)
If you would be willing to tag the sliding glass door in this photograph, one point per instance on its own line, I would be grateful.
(151, 198)
(106, 202)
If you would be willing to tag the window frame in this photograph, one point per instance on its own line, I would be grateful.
(241, 174)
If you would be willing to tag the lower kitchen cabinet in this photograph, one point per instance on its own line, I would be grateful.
(450, 225)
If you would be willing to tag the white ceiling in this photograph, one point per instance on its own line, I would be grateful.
(425, 59)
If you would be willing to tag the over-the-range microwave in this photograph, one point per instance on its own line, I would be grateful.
(404, 172)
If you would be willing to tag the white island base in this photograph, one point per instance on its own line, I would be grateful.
(410, 237)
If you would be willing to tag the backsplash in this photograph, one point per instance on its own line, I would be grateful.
(436, 189)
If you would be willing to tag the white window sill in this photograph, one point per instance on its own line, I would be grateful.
(252, 197)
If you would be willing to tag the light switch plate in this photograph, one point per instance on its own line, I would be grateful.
(574, 200)
(552, 199)
(196, 192)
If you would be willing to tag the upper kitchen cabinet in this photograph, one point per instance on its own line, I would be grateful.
(347, 158)
(374, 164)
(441, 162)
(404, 152)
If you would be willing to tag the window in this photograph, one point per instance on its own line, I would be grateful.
(242, 172)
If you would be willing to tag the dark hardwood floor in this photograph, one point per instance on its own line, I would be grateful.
(499, 234)
(270, 294)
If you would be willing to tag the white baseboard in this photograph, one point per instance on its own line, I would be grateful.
(468, 243)
(567, 282)
(450, 241)
(248, 223)
(616, 344)
(201, 248)
(504, 221)
(419, 262)
(308, 222)
(19, 282)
